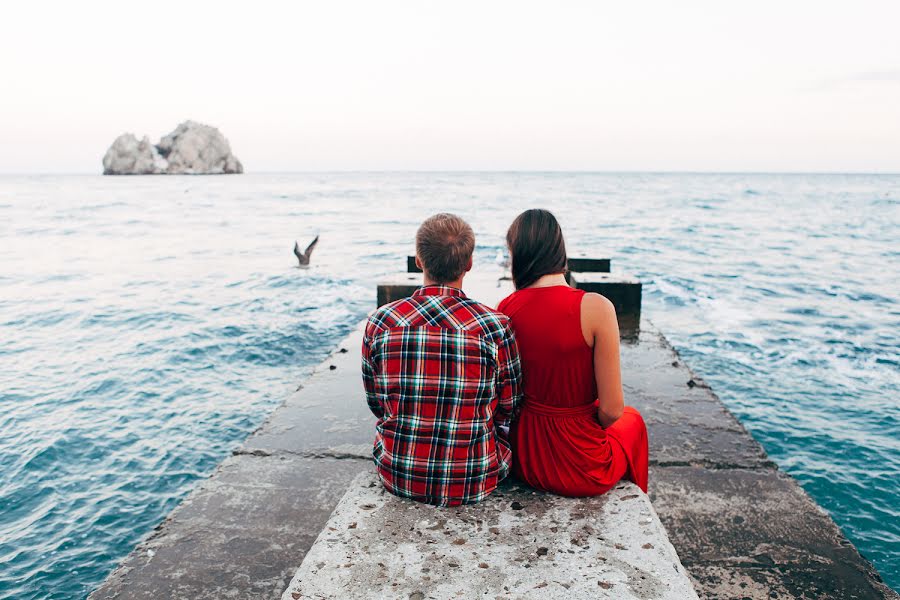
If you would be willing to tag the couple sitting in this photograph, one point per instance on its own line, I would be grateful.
(464, 393)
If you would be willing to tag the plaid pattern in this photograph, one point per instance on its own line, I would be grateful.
(442, 374)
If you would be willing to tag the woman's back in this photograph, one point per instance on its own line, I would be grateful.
(554, 354)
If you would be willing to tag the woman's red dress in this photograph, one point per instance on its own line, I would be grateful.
(558, 444)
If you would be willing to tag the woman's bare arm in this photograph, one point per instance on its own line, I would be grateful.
(599, 324)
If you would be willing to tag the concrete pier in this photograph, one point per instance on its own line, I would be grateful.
(517, 543)
(741, 528)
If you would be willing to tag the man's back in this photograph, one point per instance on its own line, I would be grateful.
(442, 375)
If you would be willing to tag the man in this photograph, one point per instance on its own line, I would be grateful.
(442, 374)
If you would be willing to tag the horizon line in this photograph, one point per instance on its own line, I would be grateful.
(461, 171)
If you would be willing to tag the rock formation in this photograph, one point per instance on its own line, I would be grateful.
(127, 155)
(193, 148)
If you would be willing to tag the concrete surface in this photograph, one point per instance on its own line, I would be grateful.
(741, 528)
(516, 544)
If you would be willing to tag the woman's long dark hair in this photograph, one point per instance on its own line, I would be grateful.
(536, 247)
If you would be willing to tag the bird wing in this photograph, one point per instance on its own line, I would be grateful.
(297, 250)
(312, 245)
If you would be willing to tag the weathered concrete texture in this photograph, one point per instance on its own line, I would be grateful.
(328, 416)
(239, 535)
(516, 544)
(742, 528)
(755, 529)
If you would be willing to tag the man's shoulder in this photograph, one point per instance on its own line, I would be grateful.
(489, 319)
(408, 312)
(392, 314)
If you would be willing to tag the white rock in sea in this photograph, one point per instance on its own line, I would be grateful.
(193, 148)
(197, 148)
(128, 156)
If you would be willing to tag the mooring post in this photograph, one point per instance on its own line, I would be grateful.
(624, 292)
(399, 286)
(411, 266)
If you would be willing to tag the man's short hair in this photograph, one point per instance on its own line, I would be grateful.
(444, 245)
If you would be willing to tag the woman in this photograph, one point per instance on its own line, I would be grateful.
(574, 435)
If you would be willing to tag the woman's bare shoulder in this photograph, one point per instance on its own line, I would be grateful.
(598, 305)
(598, 312)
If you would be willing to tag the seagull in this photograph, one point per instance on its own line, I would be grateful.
(303, 257)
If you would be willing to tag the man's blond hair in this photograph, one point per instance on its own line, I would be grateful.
(444, 245)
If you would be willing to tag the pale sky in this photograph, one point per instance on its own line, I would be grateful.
(338, 85)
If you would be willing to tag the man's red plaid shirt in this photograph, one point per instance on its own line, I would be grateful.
(442, 374)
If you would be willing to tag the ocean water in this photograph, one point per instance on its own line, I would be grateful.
(148, 324)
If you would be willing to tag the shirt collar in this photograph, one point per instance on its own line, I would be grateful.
(439, 290)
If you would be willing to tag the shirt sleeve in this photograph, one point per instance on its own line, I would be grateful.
(368, 376)
(509, 381)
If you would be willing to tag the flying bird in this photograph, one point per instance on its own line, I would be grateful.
(303, 257)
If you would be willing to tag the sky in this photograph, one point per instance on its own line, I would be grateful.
(419, 85)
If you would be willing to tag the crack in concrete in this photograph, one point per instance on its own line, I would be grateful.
(315, 453)
(714, 466)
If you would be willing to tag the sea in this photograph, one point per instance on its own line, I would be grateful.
(148, 324)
